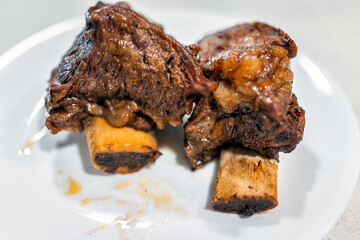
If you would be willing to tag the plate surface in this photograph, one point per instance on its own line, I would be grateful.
(55, 193)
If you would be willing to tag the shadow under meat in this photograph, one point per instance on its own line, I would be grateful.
(79, 140)
(296, 179)
(301, 173)
(173, 138)
(297, 176)
(211, 190)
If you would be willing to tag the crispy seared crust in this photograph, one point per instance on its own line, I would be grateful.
(119, 150)
(120, 57)
(246, 182)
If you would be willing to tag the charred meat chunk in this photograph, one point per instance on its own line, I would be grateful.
(258, 78)
(253, 104)
(244, 35)
(209, 129)
(251, 64)
(125, 69)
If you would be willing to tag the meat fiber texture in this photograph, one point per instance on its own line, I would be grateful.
(125, 69)
(253, 105)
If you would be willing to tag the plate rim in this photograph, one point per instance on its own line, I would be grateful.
(75, 22)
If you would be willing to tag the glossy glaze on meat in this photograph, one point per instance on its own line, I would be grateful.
(244, 35)
(209, 129)
(125, 69)
(254, 78)
(253, 104)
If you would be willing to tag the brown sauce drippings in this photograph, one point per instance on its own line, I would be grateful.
(86, 201)
(121, 201)
(74, 187)
(123, 223)
(162, 200)
(27, 148)
(141, 187)
(124, 185)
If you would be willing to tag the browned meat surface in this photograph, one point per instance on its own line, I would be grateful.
(253, 104)
(209, 128)
(257, 78)
(244, 35)
(251, 64)
(125, 69)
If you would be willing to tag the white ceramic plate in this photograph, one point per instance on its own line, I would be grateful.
(165, 200)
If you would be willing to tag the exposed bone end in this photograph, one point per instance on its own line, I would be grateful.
(246, 182)
(119, 150)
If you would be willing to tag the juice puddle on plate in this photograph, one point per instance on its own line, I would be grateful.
(74, 187)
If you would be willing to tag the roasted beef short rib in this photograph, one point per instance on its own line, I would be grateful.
(253, 105)
(125, 69)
